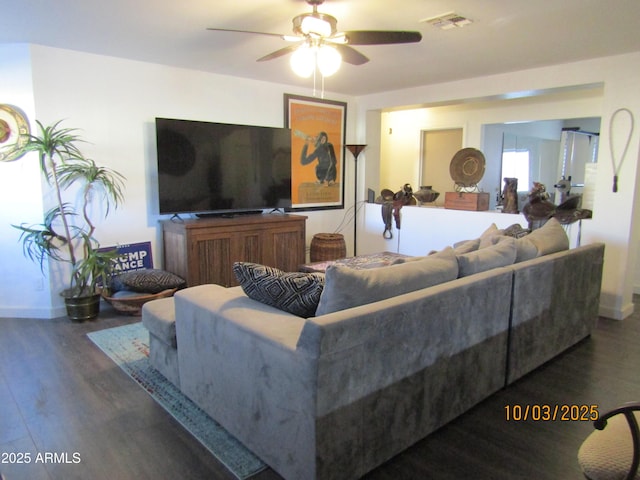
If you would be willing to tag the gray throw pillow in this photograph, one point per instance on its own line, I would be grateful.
(346, 288)
(466, 246)
(488, 237)
(549, 238)
(526, 250)
(293, 292)
(501, 254)
(445, 252)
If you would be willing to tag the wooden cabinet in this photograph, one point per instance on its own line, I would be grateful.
(204, 250)
(476, 202)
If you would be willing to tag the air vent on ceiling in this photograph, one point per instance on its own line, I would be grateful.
(447, 21)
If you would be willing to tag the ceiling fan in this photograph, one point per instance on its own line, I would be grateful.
(316, 29)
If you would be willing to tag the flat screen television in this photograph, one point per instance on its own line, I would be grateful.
(217, 168)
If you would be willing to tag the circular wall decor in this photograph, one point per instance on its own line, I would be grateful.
(467, 167)
(14, 132)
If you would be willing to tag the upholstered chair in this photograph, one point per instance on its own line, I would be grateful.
(612, 451)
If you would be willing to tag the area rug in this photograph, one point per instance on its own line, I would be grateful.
(128, 347)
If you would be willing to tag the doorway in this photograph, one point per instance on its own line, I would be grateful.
(438, 148)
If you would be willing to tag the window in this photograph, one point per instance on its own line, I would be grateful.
(515, 164)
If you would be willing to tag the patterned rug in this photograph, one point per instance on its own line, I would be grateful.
(128, 347)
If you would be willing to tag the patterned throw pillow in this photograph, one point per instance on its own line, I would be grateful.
(146, 281)
(294, 292)
(516, 231)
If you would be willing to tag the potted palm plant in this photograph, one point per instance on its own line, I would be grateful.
(67, 232)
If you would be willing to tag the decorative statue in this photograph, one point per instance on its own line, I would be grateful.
(510, 195)
(564, 187)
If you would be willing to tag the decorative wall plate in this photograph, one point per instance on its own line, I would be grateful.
(467, 167)
(14, 131)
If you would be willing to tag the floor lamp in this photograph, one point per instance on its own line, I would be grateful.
(355, 149)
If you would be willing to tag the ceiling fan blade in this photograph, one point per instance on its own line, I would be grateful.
(247, 31)
(381, 37)
(278, 53)
(350, 55)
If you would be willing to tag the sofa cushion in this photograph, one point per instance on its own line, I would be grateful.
(549, 238)
(159, 318)
(148, 280)
(525, 249)
(446, 252)
(466, 246)
(294, 292)
(345, 287)
(501, 254)
(488, 237)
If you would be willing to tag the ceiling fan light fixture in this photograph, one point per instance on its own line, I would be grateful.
(317, 24)
(306, 58)
(338, 38)
(303, 61)
(328, 60)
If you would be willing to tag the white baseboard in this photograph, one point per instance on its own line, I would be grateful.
(40, 313)
(616, 313)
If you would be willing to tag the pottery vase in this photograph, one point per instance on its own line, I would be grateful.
(426, 194)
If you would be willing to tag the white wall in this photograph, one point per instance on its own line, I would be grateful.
(402, 130)
(21, 282)
(614, 79)
(424, 229)
(114, 102)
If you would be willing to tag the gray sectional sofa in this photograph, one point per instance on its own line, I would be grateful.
(335, 395)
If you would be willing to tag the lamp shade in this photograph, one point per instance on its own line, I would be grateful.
(315, 25)
(328, 60)
(306, 58)
(303, 61)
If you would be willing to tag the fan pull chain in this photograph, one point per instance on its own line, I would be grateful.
(321, 83)
(314, 81)
(617, 166)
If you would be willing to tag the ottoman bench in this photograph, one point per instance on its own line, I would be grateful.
(160, 319)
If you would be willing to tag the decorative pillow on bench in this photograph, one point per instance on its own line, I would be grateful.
(294, 292)
(148, 280)
(345, 287)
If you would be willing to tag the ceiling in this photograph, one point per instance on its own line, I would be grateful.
(506, 35)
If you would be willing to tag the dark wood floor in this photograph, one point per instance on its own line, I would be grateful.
(60, 395)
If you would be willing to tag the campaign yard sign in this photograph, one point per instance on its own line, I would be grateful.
(131, 257)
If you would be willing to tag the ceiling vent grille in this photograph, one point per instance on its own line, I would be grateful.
(447, 21)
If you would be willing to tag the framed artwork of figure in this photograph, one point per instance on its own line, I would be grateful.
(317, 151)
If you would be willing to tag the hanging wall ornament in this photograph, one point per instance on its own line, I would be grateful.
(14, 132)
(617, 164)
